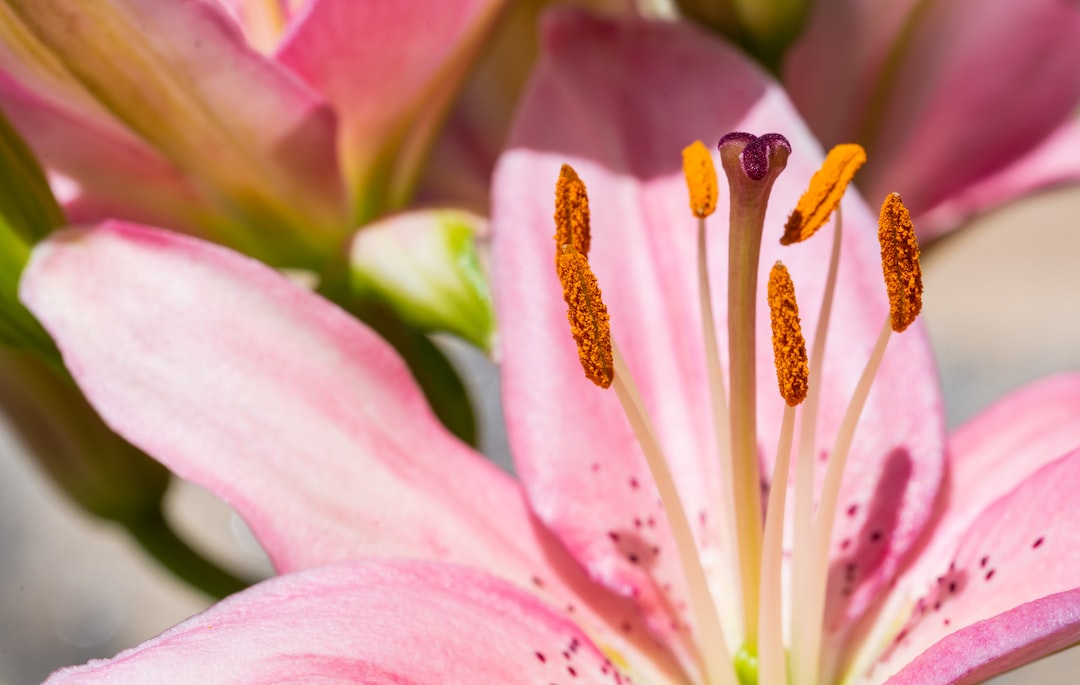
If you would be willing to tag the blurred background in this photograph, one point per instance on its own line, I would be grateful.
(1002, 307)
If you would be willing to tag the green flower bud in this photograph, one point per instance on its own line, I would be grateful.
(424, 267)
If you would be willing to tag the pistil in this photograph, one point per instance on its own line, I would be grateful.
(752, 165)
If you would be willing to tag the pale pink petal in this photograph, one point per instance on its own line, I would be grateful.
(286, 407)
(619, 101)
(180, 75)
(390, 69)
(1054, 162)
(1023, 548)
(371, 623)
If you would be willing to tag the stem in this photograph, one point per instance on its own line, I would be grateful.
(158, 538)
(711, 647)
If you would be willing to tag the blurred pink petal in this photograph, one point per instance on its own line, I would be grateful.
(1054, 162)
(108, 162)
(390, 69)
(943, 95)
(180, 76)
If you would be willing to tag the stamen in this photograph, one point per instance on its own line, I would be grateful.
(590, 325)
(903, 279)
(772, 666)
(571, 213)
(701, 183)
(823, 196)
(900, 262)
(711, 646)
(803, 624)
(588, 317)
(700, 179)
(830, 496)
(789, 347)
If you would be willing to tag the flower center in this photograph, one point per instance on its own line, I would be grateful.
(754, 651)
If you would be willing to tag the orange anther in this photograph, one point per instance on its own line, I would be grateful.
(588, 317)
(700, 178)
(789, 347)
(900, 262)
(827, 186)
(571, 212)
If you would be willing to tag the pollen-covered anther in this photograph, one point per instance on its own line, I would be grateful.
(571, 213)
(588, 317)
(827, 187)
(789, 347)
(900, 262)
(700, 178)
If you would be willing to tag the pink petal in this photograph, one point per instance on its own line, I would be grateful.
(403, 623)
(596, 103)
(961, 104)
(1007, 443)
(1008, 593)
(1053, 162)
(988, 457)
(286, 407)
(390, 69)
(1009, 640)
(183, 78)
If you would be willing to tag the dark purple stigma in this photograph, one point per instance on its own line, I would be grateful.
(757, 151)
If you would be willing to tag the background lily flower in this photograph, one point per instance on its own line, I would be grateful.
(310, 425)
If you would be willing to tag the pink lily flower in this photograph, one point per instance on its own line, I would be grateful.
(281, 156)
(965, 104)
(408, 558)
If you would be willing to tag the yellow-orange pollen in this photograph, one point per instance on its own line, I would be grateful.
(827, 187)
(571, 212)
(900, 262)
(590, 323)
(789, 347)
(700, 178)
